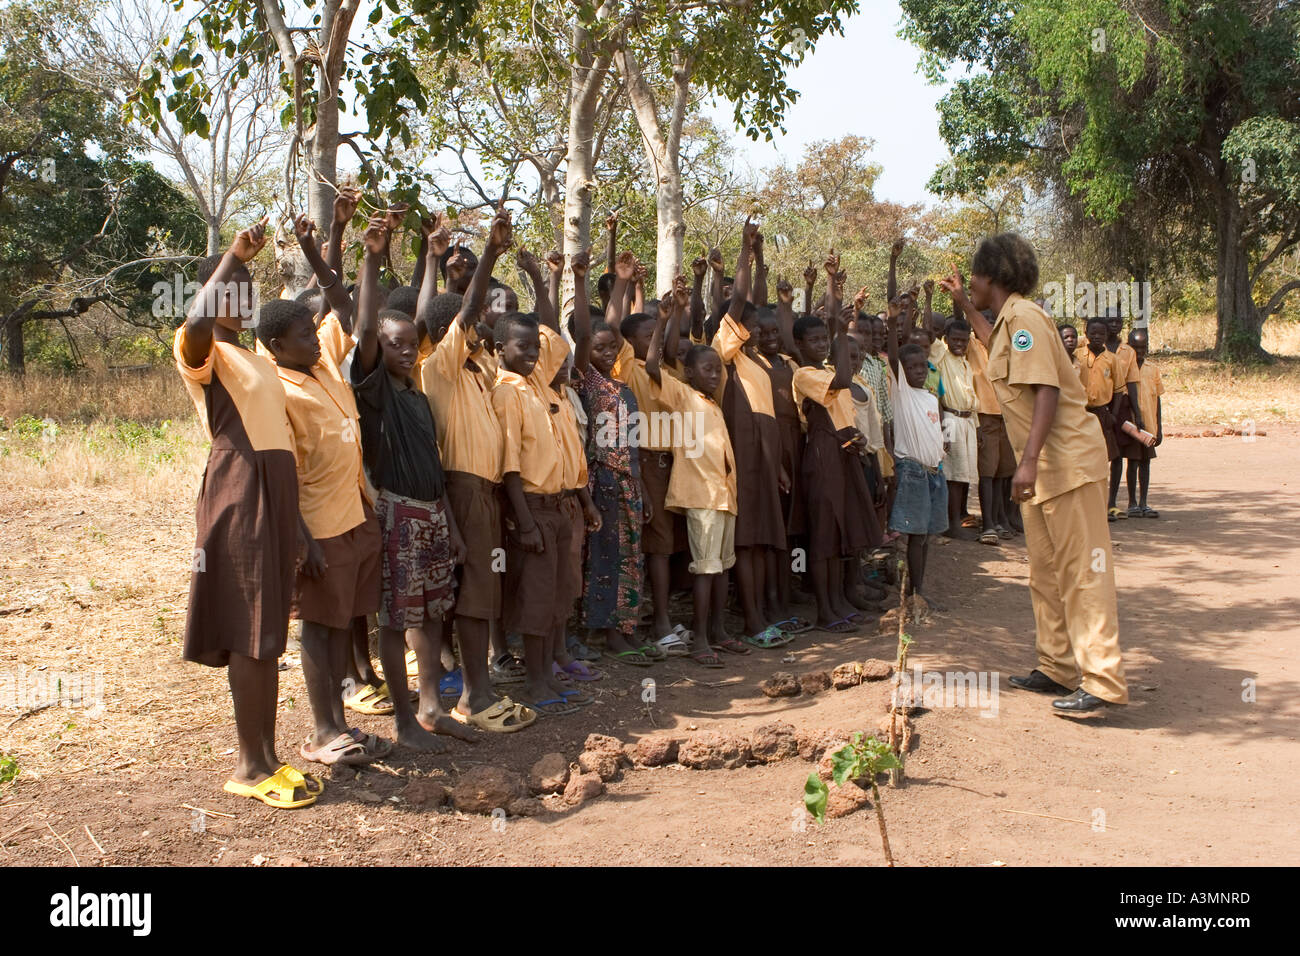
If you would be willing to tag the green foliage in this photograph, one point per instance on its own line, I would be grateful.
(860, 759)
(9, 768)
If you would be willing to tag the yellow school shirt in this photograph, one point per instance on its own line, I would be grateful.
(729, 344)
(1097, 374)
(326, 429)
(957, 376)
(707, 477)
(530, 445)
(986, 400)
(1024, 351)
(1126, 366)
(253, 386)
(572, 452)
(630, 370)
(469, 432)
(815, 383)
(1150, 388)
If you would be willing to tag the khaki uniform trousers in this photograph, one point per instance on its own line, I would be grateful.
(1072, 584)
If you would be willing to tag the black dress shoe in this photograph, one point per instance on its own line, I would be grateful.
(1038, 681)
(1080, 702)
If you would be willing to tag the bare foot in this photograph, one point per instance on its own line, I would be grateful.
(417, 738)
(447, 726)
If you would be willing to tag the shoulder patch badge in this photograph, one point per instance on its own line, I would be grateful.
(1022, 341)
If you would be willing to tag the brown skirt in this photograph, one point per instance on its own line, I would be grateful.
(756, 443)
(353, 582)
(792, 504)
(245, 554)
(1129, 447)
(841, 518)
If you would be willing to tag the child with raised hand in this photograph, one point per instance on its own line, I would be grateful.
(341, 579)
(961, 434)
(613, 582)
(835, 492)
(703, 483)
(665, 533)
(920, 506)
(245, 551)
(455, 381)
(421, 543)
(775, 342)
(756, 440)
(1138, 453)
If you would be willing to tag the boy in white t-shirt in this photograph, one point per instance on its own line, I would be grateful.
(921, 502)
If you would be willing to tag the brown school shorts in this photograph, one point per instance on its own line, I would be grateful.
(996, 459)
(665, 533)
(534, 584)
(476, 506)
(571, 567)
(353, 582)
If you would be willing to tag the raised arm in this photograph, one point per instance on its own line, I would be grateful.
(655, 353)
(374, 241)
(715, 289)
(554, 269)
(895, 309)
(638, 288)
(835, 324)
(327, 280)
(672, 330)
(203, 312)
(345, 207)
(740, 282)
(785, 314)
(698, 268)
(500, 236)
(579, 264)
(435, 240)
(954, 286)
(758, 288)
(624, 268)
(809, 283)
(891, 285)
(611, 241)
(530, 267)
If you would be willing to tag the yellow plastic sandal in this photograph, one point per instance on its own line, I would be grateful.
(308, 781)
(275, 791)
(371, 700)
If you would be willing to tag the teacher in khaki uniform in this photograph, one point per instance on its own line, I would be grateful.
(1059, 482)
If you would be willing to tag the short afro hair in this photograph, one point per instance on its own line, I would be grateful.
(1095, 320)
(805, 324)
(403, 299)
(697, 352)
(605, 284)
(958, 325)
(387, 316)
(443, 310)
(275, 317)
(208, 267)
(910, 349)
(311, 298)
(1008, 261)
(632, 325)
(514, 323)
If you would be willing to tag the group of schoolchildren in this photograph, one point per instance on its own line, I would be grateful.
(479, 477)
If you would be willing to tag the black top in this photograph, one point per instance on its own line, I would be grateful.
(399, 442)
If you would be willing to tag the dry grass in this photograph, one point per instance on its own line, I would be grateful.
(1195, 333)
(1200, 391)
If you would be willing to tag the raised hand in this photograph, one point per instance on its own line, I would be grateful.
(715, 260)
(954, 285)
(249, 242)
(611, 221)
(457, 264)
(699, 266)
(579, 264)
(345, 205)
(438, 237)
(860, 299)
(785, 291)
(758, 244)
(748, 233)
(832, 265)
(375, 238)
(528, 263)
(554, 261)
(303, 227)
(929, 287)
(501, 234)
(681, 294)
(810, 274)
(625, 265)
(642, 273)
(897, 248)
(395, 215)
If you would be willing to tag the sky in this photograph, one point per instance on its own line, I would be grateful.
(838, 98)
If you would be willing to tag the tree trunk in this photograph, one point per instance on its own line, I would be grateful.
(14, 354)
(1239, 321)
(671, 224)
(214, 236)
(324, 153)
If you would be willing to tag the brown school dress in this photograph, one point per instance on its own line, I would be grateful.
(241, 584)
(756, 443)
(841, 519)
(790, 429)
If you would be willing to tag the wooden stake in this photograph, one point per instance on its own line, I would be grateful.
(900, 665)
(880, 818)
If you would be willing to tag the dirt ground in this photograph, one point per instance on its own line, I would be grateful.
(1199, 769)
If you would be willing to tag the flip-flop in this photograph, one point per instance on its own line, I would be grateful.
(582, 671)
(275, 791)
(768, 639)
(795, 625)
(1117, 513)
(635, 658)
(838, 627)
(308, 781)
(580, 650)
(511, 672)
(733, 646)
(371, 700)
(503, 717)
(970, 521)
(673, 644)
(343, 749)
(375, 745)
(1005, 533)
(707, 659)
(1150, 513)
(552, 707)
(1134, 511)
(452, 683)
(653, 651)
(989, 537)
(412, 665)
(575, 696)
